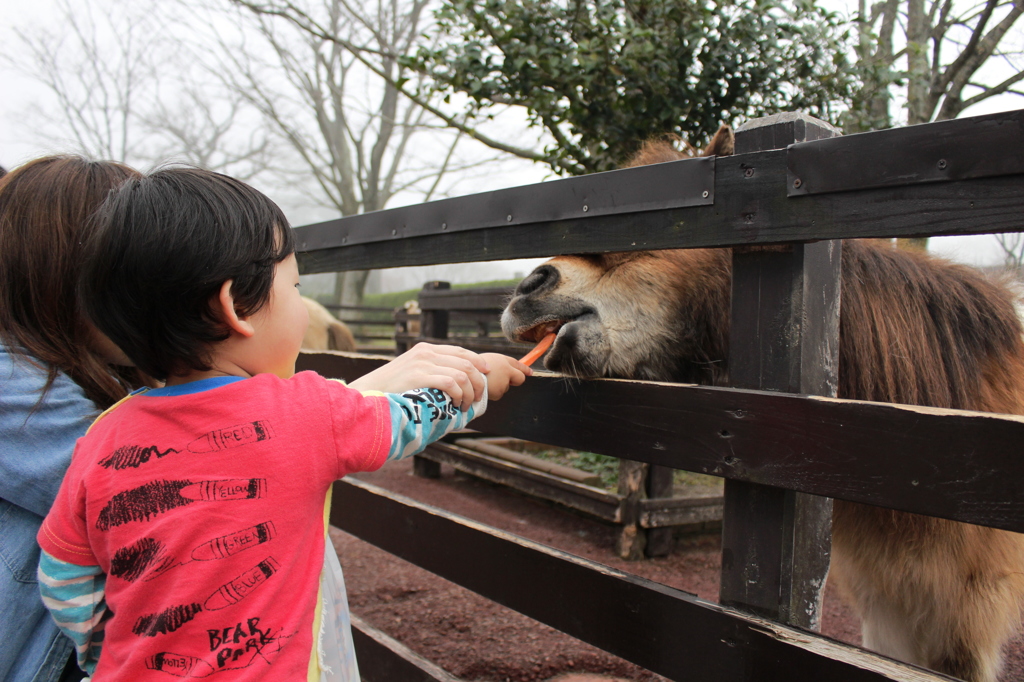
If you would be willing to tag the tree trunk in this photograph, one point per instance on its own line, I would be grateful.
(350, 286)
(870, 107)
(918, 72)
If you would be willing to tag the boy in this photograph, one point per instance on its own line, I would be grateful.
(188, 537)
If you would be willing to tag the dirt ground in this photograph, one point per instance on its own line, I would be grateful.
(476, 639)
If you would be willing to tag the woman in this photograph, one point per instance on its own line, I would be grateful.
(55, 377)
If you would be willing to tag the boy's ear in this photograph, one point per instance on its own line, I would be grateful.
(226, 307)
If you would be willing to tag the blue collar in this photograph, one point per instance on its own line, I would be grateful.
(189, 388)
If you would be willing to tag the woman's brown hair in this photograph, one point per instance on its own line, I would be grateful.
(45, 210)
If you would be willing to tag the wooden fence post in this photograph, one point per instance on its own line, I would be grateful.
(632, 540)
(401, 317)
(784, 336)
(434, 323)
(638, 482)
(659, 485)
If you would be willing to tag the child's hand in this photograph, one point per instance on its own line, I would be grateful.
(504, 372)
(454, 370)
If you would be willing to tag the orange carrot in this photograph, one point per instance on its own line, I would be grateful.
(538, 350)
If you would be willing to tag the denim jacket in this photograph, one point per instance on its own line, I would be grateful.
(35, 450)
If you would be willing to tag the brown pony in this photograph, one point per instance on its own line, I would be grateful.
(914, 329)
(325, 331)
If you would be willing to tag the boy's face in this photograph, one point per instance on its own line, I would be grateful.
(281, 324)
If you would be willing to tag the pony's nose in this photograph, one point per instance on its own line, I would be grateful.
(544, 277)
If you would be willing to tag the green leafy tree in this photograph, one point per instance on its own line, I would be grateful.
(601, 76)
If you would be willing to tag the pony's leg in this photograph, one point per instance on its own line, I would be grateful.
(935, 593)
(983, 617)
(974, 604)
(939, 641)
(885, 631)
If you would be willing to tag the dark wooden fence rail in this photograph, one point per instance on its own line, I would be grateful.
(954, 464)
(751, 206)
(660, 628)
(773, 446)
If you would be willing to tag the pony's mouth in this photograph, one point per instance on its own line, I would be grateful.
(539, 331)
(555, 325)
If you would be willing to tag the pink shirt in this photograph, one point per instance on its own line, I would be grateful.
(205, 511)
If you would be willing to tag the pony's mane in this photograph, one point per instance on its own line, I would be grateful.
(920, 330)
(671, 147)
(660, 150)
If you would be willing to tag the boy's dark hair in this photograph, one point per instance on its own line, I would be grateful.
(163, 246)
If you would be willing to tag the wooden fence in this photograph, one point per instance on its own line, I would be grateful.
(783, 444)
(467, 317)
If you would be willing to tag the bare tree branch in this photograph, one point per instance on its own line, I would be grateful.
(979, 49)
(94, 80)
(970, 51)
(1012, 244)
(445, 166)
(302, 20)
(340, 99)
(127, 92)
(999, 89)
(196, 133)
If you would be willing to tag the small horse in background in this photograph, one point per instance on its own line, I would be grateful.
(325, 331)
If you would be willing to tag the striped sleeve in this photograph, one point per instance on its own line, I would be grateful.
(74, 595)
(424, 415)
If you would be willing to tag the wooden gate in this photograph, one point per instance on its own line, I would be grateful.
(783, 442)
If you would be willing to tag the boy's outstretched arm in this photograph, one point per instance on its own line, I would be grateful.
(423, 415)
(456, 371)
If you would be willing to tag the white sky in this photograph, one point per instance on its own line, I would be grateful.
(19, 144)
